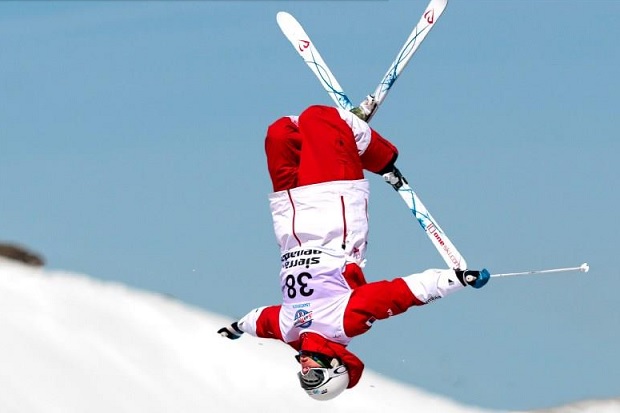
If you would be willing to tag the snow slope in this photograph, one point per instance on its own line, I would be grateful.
(70, 343)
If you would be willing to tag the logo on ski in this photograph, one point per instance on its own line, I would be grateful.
(430, 16)
(303, 45)
(436, 233)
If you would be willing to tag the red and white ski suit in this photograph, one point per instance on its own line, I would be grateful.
(320, 214)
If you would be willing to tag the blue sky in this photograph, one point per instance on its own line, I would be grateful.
(131, 149)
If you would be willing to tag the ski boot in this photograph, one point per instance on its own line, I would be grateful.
(395, 178)
(365, 110)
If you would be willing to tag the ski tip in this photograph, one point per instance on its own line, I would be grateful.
(282, 16)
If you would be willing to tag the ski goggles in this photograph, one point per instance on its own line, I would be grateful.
(313, 378)
(321, 359)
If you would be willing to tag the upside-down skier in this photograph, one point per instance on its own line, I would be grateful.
(319, 207)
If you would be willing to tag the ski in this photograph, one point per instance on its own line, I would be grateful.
(306, 49)
(302, 44)
(451, 256)
(431, 14)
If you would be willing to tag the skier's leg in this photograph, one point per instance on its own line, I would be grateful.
(329, 151)
(283, 146)
(380, 155)
(376, 301)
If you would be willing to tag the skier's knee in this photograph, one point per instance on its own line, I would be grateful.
(281, 130)
(313, 114)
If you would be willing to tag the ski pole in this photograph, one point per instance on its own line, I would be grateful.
(583, 268)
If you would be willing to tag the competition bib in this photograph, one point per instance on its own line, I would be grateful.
(314, 294)
(311, 274)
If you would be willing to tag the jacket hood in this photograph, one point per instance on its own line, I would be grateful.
(316, 343)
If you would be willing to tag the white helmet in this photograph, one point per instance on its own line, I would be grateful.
(325, 383)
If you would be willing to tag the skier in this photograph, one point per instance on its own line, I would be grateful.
(319, 209)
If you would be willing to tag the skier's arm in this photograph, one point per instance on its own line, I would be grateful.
(232, 331)
(383, 299)
(376, 301)
(261, 322)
